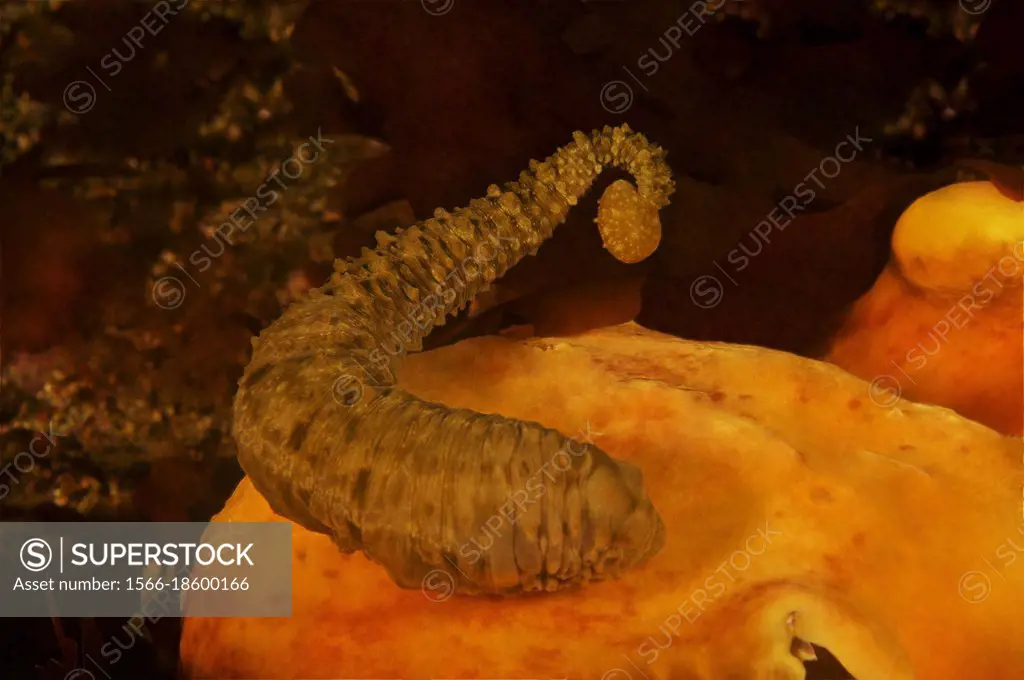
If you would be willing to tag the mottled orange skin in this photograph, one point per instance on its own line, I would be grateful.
(976, 369)
(876, 515)
(944, 323)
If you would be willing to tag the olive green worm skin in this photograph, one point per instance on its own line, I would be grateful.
(419, 486)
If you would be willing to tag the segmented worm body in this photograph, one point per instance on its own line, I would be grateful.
(413, 484)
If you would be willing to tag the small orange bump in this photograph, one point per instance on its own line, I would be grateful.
(835, 566)
(546, 655)
(820, 494)
(666, 577)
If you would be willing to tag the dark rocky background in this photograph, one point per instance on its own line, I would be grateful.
(105, 188)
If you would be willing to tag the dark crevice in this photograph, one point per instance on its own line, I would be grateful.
(826, 666)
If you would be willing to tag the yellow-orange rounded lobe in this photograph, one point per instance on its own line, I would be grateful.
(628, 222)
(951, 239)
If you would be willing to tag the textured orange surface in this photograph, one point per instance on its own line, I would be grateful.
(944, 323)
(794, 505)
